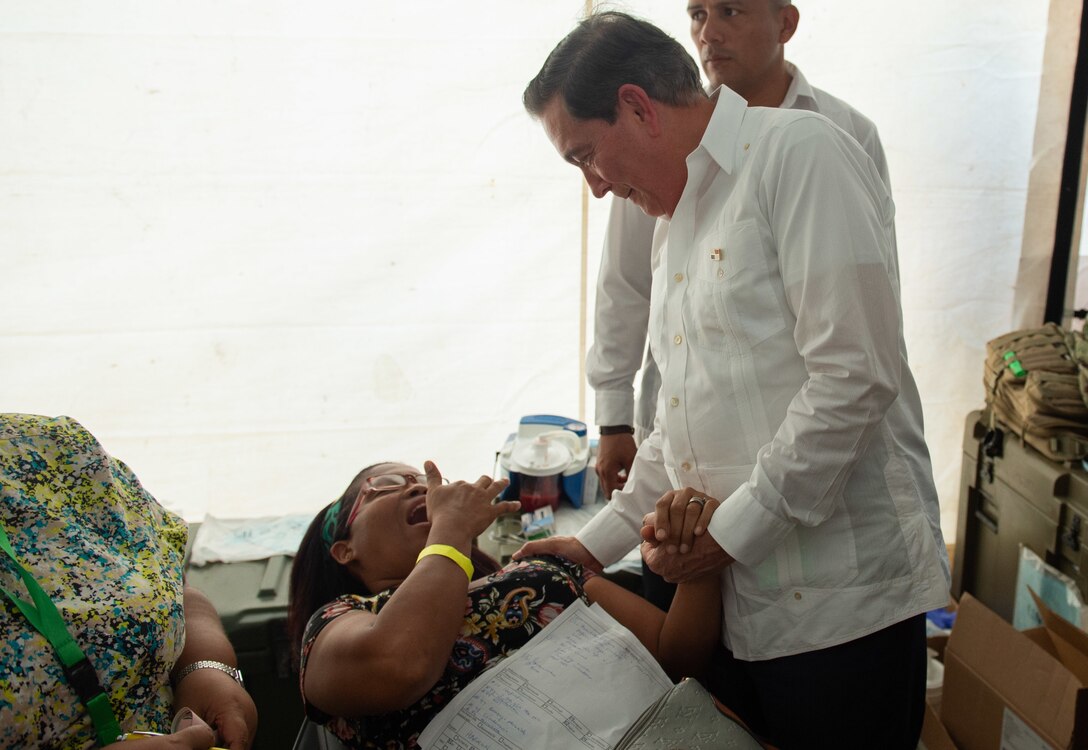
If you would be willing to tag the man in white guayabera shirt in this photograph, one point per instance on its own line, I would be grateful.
(787, 454)
(741, 44)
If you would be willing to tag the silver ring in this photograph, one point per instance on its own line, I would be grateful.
(700, 500)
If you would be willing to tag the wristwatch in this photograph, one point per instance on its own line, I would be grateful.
(617, 429)
(209, 664)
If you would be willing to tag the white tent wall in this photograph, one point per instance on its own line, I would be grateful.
(256, 246)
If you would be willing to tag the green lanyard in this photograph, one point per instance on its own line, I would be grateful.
(44, 616)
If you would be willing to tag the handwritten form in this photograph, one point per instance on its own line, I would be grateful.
(578, 684)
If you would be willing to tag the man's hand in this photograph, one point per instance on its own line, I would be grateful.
(565, 546)
(680, 516)
(615, 454)
(705, 557)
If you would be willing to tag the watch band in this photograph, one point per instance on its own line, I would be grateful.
(617, 429)
(234, 672)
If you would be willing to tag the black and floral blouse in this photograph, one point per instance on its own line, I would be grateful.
(502, 613)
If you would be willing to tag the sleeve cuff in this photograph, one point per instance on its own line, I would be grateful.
(615, 407)
(610, 535)
(745, 529)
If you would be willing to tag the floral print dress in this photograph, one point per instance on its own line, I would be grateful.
(110, 558)
(502, 613)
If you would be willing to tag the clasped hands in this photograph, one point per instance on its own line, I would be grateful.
(674, 540)
(675, 544)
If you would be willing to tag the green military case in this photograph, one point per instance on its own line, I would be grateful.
(1010, 494)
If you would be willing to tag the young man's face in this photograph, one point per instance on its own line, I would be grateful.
(613, 157)
(739, 41)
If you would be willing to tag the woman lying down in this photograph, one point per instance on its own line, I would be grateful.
(394, 609)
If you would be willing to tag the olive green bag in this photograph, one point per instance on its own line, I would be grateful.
(1037, 387)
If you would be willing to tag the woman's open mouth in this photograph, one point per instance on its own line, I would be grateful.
(418, 514)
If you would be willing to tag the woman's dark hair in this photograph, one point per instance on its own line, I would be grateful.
(317, 579)
(605, 51)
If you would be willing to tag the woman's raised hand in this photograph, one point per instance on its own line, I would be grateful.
(465, 506)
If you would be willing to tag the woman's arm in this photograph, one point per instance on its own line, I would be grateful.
(682, 639)
(365, 664)
(212, 694)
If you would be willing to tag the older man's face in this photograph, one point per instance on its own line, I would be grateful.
(612, 157)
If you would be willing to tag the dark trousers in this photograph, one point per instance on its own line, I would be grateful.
(869, 693)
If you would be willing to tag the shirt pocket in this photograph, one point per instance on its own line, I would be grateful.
(735, 301)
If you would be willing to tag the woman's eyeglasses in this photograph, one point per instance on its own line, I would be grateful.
(384, 483)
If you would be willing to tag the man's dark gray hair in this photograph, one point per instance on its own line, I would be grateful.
(605, 51)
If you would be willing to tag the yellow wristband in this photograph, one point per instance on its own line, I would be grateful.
(452, 553)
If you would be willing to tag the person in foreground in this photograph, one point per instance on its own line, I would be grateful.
(81, 529)
(393, 608)
(785, 389)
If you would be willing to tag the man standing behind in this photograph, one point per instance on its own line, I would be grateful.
(741, 45)
(787, 454)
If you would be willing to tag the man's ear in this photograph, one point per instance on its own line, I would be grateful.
(789, 16)
(634, 100)
(342, 552)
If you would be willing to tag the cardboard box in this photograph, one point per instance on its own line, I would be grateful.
(1064, 640)
(1007, 689)
(934, 735)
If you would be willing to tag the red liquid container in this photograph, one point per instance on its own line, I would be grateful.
(536, 492)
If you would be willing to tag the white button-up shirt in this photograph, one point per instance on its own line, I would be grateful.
(623, 284)
(788, 395)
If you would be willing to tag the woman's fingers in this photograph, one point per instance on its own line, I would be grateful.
(474, 504)
(494, 487)
(434, 476)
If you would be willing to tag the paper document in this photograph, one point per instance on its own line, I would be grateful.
(240, 539)
(578, 684)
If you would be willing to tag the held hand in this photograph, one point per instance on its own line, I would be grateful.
(464, 505)
(705, 557)
(615, 454)
(223, 703)
(680, 517)
(196, 736)
(566, 546)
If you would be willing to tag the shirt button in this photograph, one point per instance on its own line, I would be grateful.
(678, 339)
(679, 277)
(685, 466)
(721, 272)
(674, 401)
(797, 595)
